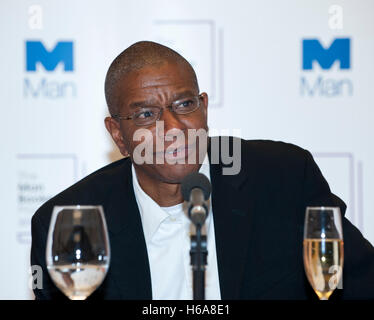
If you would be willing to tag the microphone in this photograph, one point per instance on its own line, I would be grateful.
(196, 190)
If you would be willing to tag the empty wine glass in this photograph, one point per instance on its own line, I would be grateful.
(78, 251)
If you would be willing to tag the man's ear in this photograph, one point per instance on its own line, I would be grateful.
(204, 101)
(114, 129)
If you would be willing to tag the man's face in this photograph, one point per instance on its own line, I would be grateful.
(160, 86)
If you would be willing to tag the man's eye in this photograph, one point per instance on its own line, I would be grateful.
(144, 114)
(186, 104)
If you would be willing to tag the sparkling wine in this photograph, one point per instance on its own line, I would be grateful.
(323, 261)
(77, 281)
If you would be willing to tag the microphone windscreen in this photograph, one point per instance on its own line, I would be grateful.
(195, 180)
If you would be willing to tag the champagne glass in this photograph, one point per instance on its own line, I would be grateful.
(323, 249)
(78, 251)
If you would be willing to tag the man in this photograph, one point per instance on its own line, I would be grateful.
(255, 226)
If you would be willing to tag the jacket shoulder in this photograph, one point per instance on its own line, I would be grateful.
(275, 160)
(273, 150)
(90, 190)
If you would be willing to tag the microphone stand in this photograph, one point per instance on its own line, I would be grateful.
(198, 253)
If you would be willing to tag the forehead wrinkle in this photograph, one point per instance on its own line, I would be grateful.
(146, 79)
(162, 97)
(165, 80)
(156, 89)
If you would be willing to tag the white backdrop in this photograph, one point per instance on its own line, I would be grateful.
(249, 59)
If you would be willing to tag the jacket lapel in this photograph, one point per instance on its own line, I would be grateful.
(129, 265)
(233, 206)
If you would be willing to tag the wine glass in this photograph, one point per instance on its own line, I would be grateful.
(78, 251)
(323, 249)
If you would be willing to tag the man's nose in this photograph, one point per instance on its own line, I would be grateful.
(172, 124)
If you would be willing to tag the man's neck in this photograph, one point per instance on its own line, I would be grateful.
(164, 194)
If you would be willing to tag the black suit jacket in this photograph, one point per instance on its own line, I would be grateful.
(258, 219)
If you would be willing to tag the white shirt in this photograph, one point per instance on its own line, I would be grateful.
(167, 236)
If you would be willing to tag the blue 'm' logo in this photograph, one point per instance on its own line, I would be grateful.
(36, 52)
(338, 50)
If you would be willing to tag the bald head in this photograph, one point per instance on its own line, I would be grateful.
(137, 56)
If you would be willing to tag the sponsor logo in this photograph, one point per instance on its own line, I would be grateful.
(49, 70)
(61, 53)
(322, 68)
(339, 50)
